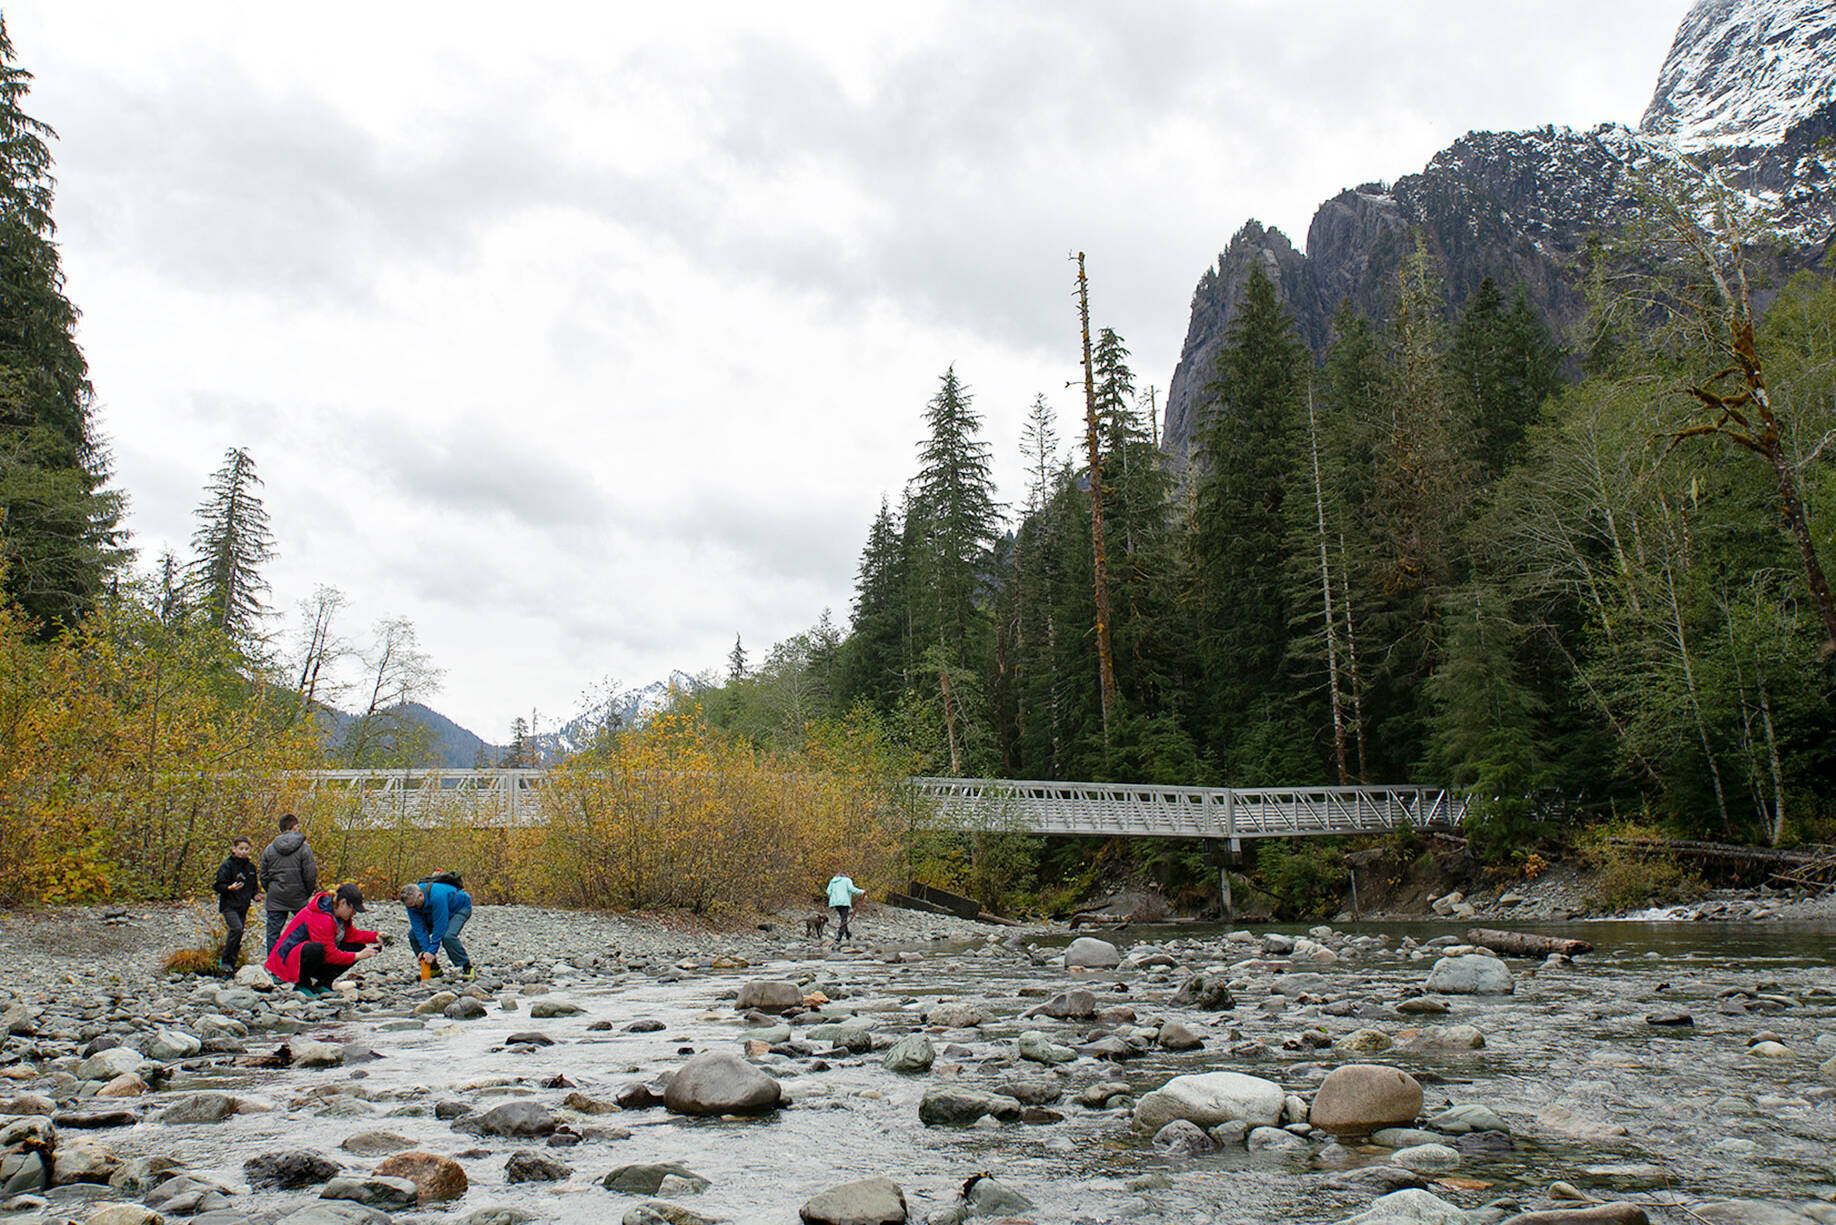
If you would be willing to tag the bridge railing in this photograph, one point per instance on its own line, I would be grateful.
(1030, 806)
(1141, 810)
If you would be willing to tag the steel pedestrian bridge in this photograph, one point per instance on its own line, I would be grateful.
(1134, 810)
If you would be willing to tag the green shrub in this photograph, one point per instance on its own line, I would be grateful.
(1307, 877)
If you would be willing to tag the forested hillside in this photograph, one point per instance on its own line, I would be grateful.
(1430, 555)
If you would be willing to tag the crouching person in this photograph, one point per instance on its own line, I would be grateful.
(319, 942)
(437, 912)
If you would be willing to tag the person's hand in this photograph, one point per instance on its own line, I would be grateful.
(233, 888)
(368, 950)
(428, 958)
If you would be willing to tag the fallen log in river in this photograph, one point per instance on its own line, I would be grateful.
(1523, 944)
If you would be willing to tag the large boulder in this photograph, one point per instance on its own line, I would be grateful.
(1089, 953)
(867, 1201)
(766, 996)
(1210, 1098)
(1472, 974)
(436, 1179)
(1359, 1098)
(718, 1083)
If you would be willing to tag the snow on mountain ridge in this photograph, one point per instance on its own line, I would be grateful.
(1743, 72)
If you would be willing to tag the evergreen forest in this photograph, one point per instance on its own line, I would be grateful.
(1577, 576)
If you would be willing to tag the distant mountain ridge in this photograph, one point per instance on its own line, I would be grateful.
(450, 746)
(1750, 83)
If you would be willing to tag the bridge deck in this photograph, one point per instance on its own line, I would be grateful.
(1104, 809)
(1187, 812)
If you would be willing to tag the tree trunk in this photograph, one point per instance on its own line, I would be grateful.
(1351, 663)
(1106, 663)
(1523, 944)
(1331, 625)
(1695, 699)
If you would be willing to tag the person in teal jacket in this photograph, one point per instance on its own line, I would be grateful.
(436, 913)
(842, 892)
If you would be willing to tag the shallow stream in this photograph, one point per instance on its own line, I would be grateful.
(1703, 1117)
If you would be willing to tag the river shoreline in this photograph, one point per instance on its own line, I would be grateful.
(1683, 1068)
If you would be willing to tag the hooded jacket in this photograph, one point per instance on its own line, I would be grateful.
(289, 872)
(843, 891)
(315, 924)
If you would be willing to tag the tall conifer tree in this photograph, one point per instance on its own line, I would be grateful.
(59, 539)
(1250, 456)
(230, 546)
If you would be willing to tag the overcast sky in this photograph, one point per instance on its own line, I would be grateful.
(588, 336)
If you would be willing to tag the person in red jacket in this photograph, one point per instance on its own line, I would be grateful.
(319, 943)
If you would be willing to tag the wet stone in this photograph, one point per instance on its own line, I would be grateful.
(518, 1119)
(718, 1083)
(867, 1201)
(545, 1008)
(375, 1143)
(371, 1190)
(199, 1108)
(289, 1171)
(436, 1179)
(645, 1178)
(527, 1166)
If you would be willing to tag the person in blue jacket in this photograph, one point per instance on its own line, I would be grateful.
(437, 912)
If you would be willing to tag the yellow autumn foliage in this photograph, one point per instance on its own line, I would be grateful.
(676, 814)
(130, 755)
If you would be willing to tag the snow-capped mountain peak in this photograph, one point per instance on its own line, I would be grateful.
(1743, 72)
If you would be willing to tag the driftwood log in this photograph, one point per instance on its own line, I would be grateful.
(1523, 944)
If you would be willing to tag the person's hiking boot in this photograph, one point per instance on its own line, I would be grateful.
(469, 973)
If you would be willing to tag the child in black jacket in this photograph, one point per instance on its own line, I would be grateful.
(236, 888)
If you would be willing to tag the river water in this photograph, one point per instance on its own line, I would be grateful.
(1703, 1117)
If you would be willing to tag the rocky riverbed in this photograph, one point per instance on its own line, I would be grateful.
(611, 1068)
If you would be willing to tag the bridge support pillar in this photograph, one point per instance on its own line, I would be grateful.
(1227, 852)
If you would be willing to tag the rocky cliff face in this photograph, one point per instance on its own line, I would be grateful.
(1750, 84)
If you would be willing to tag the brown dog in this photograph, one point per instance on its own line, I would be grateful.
(812, 926)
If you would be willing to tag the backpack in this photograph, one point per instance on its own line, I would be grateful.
(445, 878)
